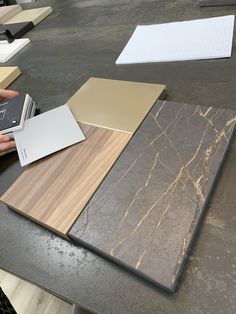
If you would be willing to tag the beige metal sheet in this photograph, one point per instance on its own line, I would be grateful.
(113, 104)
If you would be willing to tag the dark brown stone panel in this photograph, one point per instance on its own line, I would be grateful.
(147, 210)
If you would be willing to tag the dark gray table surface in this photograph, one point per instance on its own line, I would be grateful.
(83, 39)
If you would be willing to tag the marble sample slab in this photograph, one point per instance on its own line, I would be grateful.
(17, 29)
(113, 104)
(208, 3)
(7, 12)
(146, 212)
(8, 50)
(54, 190)
(31, 15)
(8, 75)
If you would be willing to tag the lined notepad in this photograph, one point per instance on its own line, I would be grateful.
(190, 40)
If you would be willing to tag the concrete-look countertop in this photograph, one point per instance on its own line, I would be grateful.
(82, 39)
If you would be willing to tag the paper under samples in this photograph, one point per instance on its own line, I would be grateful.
(190, 40)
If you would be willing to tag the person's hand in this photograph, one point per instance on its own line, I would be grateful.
(7, 145)
(7, 94)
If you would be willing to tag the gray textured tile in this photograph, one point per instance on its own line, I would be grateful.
(146, 212)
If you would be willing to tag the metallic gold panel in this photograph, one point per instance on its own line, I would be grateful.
(112, 104)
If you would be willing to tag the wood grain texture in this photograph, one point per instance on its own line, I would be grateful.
(55, 190)
(146, 212)
(31, 15)
(7, 12)
(8, 75)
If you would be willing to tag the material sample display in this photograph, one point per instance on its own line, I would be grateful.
(54, 190)
(113, 104)
(147, 210)
(179, 41)
(32, 15)
(17, 29)
(8, 75)
(8, 50)
(46, 133)
(14, 112)
(7, 12)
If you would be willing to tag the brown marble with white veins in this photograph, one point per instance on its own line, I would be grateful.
(146, 212)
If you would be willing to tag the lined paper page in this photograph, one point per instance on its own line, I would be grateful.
(190, 40)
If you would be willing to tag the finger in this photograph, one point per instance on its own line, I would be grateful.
(8, 151)
(6, 94)
(4, 138)
(5, 146)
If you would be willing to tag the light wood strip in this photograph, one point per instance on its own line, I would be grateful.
(8, 75)
(7, 12)
(55, 190)
(31, 15)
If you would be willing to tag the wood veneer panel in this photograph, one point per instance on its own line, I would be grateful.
(55, 190)
(8, 75)
(113, 104)
(31, 15)
(146, 212)
(7, 12)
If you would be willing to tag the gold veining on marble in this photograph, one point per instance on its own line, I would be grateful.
(196, 183)
(139, 191)
(158, 188)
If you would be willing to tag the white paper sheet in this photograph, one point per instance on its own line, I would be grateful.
(7, 50)
(47, 133)
(190, 40)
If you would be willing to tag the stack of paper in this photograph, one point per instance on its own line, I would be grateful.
(8, 50)
(14, 112)
(179, 41)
